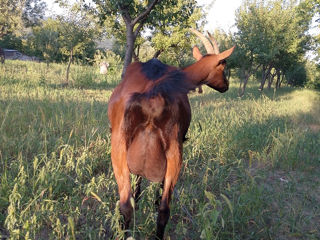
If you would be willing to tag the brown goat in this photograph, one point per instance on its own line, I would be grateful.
(150, 114)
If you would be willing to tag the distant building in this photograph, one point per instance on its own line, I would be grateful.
(12, 54)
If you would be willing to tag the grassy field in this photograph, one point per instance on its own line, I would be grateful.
(251, 165)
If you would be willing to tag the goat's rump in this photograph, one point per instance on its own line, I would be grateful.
(149, 118)
(146, 155)
(145, 125)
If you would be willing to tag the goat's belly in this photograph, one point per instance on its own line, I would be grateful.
(146, 156)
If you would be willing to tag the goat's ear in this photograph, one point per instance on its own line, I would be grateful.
(226, 53)
(196, 53)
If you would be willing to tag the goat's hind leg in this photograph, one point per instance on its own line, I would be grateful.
(158, 196)
(174, 159)
(122, 175)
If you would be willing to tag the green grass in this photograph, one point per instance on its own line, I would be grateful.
(251, 165)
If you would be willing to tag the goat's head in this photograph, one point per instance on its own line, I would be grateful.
(214, 62)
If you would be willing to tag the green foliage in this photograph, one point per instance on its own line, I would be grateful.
(45, 40)
(11, 41)
(16, 14)
(166, 23)
(55, 38)
(83, 79)
(74, 34)
(273, 34)
(313, 73)
(296, 74)
(171, 35)
(111, 58)
(33, 12)
(172, 38)
(10, 17)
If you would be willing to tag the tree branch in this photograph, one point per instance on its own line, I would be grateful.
(157, 53)
(136, 32)
(126, 17)
(145, 13)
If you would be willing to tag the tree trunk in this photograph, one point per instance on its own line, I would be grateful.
(129, 49)
(270, 80)
(265, 75)
(278, 79)
(2, 56)
(68, 67)
(278, 82)
(130, 34)
(243, 84)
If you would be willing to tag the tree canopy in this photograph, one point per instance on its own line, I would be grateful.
(127, 19)
(15, 16)
(10, 16)
(272, 35)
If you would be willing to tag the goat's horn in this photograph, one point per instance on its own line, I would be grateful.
(214, 43)
(204, 40)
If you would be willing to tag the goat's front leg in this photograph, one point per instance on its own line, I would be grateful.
(174, 159)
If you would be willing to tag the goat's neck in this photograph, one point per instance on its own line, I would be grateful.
(198, 72)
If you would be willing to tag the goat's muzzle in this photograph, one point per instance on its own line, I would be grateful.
(224, 89)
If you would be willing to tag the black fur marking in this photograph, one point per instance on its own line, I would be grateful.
(135, 118)
(173, 83)
(154, 69)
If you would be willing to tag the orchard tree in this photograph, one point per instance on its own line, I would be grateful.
(63, 38)
(15, 15)
(132, 14)
(33, 12)
(313, 7)
(130, 17)
(10, 16)
(45, 40)
(10, 19)
(76, 33)
(247, 40)
(171, 36)
(271, 36)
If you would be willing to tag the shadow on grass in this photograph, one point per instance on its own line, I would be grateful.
(91, 86)
(286, 143)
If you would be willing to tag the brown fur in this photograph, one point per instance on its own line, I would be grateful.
(149, 119)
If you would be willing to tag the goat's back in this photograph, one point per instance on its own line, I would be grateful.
(149, 106)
